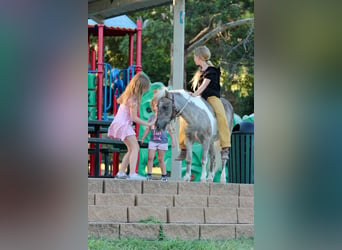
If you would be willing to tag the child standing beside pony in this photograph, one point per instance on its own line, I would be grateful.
(158, 142)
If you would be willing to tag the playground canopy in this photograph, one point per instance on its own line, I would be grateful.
(116, 26)
(100, 10)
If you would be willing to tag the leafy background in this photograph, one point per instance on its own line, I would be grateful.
(232, 49)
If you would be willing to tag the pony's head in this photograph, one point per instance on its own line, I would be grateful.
(165, 108)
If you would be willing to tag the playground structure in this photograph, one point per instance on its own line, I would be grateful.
(105, 84)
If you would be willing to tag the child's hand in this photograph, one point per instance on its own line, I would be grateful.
(151, 123)
(172, 144)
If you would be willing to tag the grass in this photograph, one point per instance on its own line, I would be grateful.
(136, 244)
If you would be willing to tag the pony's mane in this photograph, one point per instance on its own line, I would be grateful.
(157, 95)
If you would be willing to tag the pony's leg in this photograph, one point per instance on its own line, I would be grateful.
(223, 173)
(204, 159)
(188, 161)
(212, 163)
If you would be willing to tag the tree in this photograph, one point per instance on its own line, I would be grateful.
(226, 27)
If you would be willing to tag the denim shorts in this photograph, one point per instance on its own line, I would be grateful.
(156, 146)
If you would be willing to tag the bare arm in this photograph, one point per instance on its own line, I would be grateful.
(147, 130)
(204, 85)
(133, 112)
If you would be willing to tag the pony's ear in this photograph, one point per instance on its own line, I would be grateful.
(167, 94)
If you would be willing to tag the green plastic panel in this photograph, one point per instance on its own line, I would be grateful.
(91, 98)
(92, 113)
(91, 81)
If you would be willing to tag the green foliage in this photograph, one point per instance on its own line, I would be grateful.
(232, 49)
(130, 243)
(157, 37)
(150, 220)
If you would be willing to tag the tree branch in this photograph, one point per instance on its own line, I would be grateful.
(205, 30)
(242, 42)
(213, 32)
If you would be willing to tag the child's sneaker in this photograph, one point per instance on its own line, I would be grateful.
(163, 178)
(121, 176)
(135, 176)
(149, 177)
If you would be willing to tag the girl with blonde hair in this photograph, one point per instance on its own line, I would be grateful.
(122, 125)
(206, 83)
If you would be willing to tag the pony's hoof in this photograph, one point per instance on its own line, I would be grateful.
(203, 180)
(210, 177)
(210, 180)
(223, 180)
(186, 178)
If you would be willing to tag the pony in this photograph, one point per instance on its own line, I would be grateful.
(201, 126)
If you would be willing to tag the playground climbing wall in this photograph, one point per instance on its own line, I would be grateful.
(92, 96)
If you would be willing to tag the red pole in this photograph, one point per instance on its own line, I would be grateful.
(92, 63)
(137, 70)
(88, 50)
(100, 79)
(138, 55)
(100, 71)
(115, 155)
(93, 59)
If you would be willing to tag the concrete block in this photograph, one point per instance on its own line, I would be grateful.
(191, 201)
(160, 187)
(140, 230)
(223, 201)
(101, 213)
(244, 230)
(246, 202)
(217, 232)
(185, 215)
(245, 215)
(219, 215)
(95, 185)
(246, 189)
(230, 189)
(123, 200)
(193, 188)
(122, 186)
(91, 199)
(98, 230)
(135, 214)
(181, 231)
(154, 200)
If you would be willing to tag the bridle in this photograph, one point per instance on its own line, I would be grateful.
(175, 111)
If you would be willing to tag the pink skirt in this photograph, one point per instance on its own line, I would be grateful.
(120, 131)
